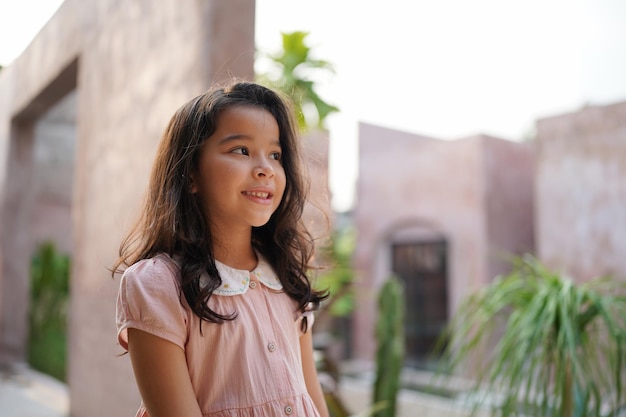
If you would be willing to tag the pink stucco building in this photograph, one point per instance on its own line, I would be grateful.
(580, 201)
(443, 215)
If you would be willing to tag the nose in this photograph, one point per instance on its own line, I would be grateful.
(263, 168)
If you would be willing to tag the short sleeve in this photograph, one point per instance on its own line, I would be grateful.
(148, 300)
(310, 319)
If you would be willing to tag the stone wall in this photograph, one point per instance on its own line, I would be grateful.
(131, 64)
(581, 191)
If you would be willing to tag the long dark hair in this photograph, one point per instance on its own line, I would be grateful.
(173, 220)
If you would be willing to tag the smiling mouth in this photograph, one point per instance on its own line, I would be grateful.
(257, 194)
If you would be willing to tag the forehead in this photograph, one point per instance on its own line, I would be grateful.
(244, 122)
(245, 113)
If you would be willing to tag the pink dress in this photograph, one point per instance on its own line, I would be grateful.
(250, 366)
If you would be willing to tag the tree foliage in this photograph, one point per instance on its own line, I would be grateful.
(292, 67)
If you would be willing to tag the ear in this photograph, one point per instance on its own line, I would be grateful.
(193, 185)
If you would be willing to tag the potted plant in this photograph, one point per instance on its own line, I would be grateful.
(538, 344)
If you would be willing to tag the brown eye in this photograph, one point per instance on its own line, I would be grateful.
(241, 151)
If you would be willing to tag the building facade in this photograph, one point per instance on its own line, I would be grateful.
(443, 216)
(580, 201)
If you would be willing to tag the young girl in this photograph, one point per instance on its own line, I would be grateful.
(215, 307)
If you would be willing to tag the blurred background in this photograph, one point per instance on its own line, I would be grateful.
(455, 136)
(445, 69)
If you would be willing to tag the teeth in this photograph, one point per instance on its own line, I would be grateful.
(258, 194)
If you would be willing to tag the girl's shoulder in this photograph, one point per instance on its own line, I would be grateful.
(149, 300)
(160, 269)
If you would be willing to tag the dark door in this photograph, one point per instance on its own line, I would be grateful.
(422, 268)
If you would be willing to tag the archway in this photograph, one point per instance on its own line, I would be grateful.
(37, 201)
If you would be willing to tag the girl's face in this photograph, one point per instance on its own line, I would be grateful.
(240, 178)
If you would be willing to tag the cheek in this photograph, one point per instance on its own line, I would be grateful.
(281, 180)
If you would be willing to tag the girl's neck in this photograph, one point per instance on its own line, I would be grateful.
(235, 250)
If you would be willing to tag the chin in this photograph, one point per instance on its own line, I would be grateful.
(260, 222)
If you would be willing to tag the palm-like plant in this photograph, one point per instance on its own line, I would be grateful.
(541, 345)
(294, 64)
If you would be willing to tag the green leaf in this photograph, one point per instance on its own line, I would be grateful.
(294, 70)
(556, 348)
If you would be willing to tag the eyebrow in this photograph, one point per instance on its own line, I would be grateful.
(241, 136)
(235, 136)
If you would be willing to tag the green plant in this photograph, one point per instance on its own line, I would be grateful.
(390, 352)
(339, 278)
(389, 356)
(389, 332)
(541, 345)
(293, 65)
(48, 311)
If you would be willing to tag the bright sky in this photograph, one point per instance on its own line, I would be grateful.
(445, 68)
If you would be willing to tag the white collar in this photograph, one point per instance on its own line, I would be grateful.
(237, 281)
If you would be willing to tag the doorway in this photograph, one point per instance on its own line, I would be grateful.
(422, 268)
(37, 201)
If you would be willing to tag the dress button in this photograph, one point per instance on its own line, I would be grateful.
(253, 284)
(271, 347)
(288, 410)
